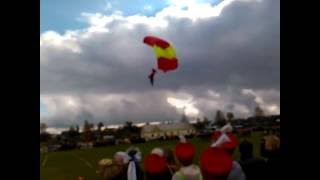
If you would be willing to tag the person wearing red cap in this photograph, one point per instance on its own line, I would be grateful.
(155, 166)
(226, 141)
(215, 163)
(185, 152)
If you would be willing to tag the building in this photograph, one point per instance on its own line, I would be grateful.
(149, 132)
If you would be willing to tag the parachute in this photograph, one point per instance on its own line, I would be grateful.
(165, 54)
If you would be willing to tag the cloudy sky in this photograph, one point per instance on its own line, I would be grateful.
(93, 64)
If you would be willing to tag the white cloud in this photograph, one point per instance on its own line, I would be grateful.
(259, 100)
(53, 130)
(196, 9)
(99, 23)
(186, 105)
(248, 92)
(68, 41)
(213, 94)
(273, 109)
(194, 12)
(56, 103)
(241, 109)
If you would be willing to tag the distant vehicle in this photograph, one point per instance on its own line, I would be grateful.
(211, 127)
(108, 137)
(238, 126)
(53, 148)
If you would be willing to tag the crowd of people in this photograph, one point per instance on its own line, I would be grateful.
(216, 161)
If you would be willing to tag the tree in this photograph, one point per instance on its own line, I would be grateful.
(258, 112)
(198, 120)
(87, 131)
(206, 121)
(44, 135)
(230, 116)
(73, 134)
(100, 125)
(220, 119)
(201, 125)
(128, 131)
(72, 129)
(86, 126)
(43, 128)
(128, 124)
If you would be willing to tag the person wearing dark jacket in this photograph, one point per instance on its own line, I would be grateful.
(254, 168)
(274, 164)
(172, 162)
(270, 149)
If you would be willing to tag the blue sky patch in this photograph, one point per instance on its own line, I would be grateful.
(43, 108)
(61, 15)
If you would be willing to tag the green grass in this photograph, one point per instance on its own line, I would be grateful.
(69, 165)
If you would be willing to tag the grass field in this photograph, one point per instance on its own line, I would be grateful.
(69, 165)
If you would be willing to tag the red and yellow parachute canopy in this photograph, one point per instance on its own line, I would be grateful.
(164, 51)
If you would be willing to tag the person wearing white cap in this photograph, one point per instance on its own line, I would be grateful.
(130, 161)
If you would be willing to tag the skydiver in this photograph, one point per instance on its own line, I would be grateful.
(151, 76)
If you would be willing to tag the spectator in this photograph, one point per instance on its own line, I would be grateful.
(231, 144)
(227, 141)
(172, 162)
(108, 170)
(274, 164)
(273, 148)
(103, 164)
(254, 168)
(236, 172)
(129, 163)
(121, 160)
(155, 166)
(134, 170)
(270, 143)
(246, 150)
(185, 152)
(215, 163)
